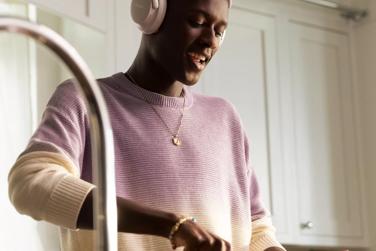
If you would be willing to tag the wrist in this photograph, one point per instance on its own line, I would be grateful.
(176, 227)
(134, 217)
(169, 222)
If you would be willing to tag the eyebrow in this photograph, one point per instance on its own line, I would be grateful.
(208, 16)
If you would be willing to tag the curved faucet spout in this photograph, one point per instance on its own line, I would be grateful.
(105, 210)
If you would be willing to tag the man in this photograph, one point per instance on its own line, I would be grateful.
(178, 154)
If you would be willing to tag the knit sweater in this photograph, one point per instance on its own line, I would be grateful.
(209, 176)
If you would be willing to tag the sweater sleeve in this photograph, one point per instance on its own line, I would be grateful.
(45, 183)
(64, 125)
(46, 186)
(263, 231)
(263, 235)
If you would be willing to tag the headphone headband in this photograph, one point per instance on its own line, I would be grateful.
(149, 14)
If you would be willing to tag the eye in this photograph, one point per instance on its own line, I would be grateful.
(195, 24)
(196, 21)
(219, 34)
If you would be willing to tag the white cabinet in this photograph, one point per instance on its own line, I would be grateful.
(292, 84)
(16, 127)
(89, 12)
(245, 72)
(327, 174)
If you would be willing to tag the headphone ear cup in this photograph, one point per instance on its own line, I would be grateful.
(148, 14)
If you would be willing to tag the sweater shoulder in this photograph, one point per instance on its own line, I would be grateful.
(211, 101)
(67, 94)
(217, 105)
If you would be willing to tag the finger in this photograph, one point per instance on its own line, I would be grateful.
(198, 239)
(214, 243)
(227, 245)
(205, 241)
(222, 244)
(192, 236)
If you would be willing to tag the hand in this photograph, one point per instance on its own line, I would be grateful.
(195, 238)
(274, 249)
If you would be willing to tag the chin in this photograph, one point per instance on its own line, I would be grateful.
(190, 83)
(191, 79)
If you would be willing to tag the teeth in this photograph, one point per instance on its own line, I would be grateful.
(198, 57)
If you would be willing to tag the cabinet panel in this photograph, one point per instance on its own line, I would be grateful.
(89, 12)
(244, 71)
(128, 36)
(96, 12)
(327, 186)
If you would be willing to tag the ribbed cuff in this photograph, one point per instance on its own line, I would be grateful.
(66, 201)
(265, 242)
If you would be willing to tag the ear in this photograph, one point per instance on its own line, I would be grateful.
(148, 14)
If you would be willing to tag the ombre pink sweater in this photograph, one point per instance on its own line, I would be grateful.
(209, 176)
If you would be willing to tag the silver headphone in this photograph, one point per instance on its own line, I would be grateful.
(149, 14)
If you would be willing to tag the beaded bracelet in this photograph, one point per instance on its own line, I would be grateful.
(176, 227)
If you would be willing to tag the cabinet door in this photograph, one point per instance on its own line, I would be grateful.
(89, 12)
(244, 71)
(328, 187)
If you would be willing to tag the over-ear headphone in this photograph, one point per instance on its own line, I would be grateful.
(149, 14)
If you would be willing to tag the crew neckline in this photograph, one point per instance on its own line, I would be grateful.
(124, 84)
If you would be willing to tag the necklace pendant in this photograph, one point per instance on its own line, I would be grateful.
(176, 141)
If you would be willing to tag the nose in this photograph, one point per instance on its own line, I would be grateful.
(209, 39)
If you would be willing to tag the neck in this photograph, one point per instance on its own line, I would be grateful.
(152, 77)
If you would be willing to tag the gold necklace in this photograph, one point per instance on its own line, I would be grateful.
(175, 136)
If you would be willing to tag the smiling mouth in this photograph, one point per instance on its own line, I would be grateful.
(199, 61)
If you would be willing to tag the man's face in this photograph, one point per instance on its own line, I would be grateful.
(189, 37)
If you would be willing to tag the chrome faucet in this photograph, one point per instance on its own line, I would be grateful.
(105, 209)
